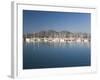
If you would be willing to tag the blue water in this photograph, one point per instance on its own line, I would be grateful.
(54, 55)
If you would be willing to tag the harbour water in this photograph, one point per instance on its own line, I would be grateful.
(37, 55)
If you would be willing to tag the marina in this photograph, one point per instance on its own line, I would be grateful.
(56, 40)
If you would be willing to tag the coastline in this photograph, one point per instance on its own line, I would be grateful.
(85, 40)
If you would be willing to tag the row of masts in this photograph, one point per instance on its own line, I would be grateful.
(53, 36)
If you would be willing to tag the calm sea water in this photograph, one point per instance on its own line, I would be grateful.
(54, 55)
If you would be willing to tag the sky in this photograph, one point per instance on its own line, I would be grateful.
(35, 21)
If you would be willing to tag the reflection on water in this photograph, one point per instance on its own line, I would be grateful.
(55, 54)
(57, 44)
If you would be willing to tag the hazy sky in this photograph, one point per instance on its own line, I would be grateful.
(35, 21)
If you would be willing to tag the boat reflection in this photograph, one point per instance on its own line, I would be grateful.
(54, 44)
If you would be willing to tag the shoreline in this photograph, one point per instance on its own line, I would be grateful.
(85, 40)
